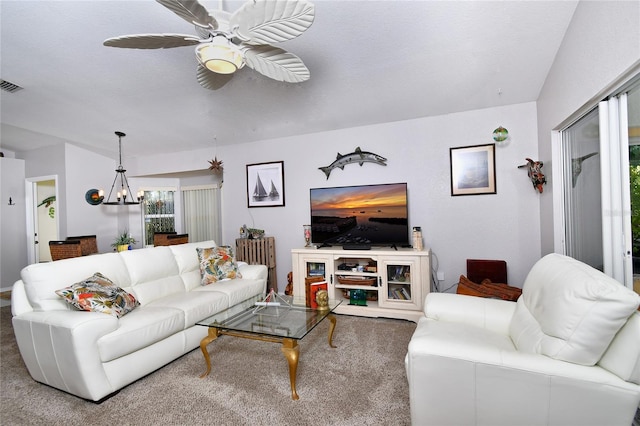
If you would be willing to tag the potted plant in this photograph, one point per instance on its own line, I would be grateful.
(123, 242)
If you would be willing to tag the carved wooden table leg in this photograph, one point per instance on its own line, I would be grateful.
(213, 335)
(291, 351)
(332, 327)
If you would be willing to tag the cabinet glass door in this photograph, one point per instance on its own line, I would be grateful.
(314, 270)
(398, 288)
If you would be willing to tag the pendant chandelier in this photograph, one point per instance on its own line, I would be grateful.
(123, 191)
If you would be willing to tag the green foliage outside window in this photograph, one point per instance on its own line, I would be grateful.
(634, 184)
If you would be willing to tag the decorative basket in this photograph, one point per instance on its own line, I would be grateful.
(354, 280)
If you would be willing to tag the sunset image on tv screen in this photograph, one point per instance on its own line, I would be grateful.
(367, 214)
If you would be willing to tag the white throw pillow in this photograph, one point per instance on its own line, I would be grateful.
(570, 311)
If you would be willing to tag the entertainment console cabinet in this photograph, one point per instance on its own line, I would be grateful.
(394, 283)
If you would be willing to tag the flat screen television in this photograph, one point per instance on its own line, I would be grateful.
(363, 215)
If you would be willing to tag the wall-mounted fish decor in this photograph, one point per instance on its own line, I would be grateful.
(358, 156)
(534, 170)
(576, 167)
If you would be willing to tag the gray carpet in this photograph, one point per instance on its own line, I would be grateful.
(362, 382)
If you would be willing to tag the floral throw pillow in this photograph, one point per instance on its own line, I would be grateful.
(217, 264)
(99, 294)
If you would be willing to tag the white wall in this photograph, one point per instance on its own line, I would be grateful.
(501, 226)
(602, 42)
(46, 162)
(86, 170)
(498, 226)
(13, 242)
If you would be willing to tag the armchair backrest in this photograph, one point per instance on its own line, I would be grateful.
(570, 311)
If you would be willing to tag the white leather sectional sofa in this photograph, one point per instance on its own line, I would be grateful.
(93, 354)
(566, 353)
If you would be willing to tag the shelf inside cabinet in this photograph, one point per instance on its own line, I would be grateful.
(400, 293)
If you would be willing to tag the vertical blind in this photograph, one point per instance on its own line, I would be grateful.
(202, 213)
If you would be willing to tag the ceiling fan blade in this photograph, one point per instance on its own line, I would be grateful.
(266, 22)
(192, 12)
(152, 41)
(211, 80)
(277, 64)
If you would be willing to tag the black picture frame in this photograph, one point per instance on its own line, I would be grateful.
(265, 184)
(473, 170)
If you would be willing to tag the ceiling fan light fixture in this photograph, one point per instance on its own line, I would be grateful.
(220, 55)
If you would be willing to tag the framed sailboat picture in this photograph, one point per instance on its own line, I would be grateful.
(265, 184)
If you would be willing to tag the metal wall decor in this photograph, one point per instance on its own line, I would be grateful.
(356, 157)
(534, 171)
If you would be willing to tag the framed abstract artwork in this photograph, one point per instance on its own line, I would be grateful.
(473, 170)
(265, 184)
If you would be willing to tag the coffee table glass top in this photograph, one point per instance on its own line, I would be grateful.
(294, 321)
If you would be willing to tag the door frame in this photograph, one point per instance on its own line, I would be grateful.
(31, 200)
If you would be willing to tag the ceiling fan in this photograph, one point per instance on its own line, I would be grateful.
(227, 42)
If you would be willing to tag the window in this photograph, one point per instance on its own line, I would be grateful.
(158, 213)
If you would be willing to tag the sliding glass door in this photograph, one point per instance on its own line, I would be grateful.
(583, 194)
(633, 102)
(601, 186)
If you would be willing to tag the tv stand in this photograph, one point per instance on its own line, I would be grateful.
(376, 282)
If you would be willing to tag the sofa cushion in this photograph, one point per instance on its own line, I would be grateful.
(41, 280)
(570, 311)
(217, 264)
(141, 328)
(153, 272)
(98, 294)
(235, 291)
(186, 255)
(195, 305)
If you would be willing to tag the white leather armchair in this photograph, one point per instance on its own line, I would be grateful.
(566, 353)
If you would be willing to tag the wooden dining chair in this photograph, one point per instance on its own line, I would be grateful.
(174, 239)
(65, 249)
(88, 244)
(160, 238)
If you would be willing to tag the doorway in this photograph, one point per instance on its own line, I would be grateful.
(42, 217)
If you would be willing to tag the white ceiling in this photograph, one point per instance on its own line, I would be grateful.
(370, 62)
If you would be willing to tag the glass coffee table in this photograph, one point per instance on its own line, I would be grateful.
(285, 323)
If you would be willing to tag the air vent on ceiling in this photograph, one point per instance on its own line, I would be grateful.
(7, 86)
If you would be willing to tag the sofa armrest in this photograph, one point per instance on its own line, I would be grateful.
(253, 272)
(492, 314)
(19, 300)
(60, 349)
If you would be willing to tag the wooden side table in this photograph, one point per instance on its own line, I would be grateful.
(259, 252)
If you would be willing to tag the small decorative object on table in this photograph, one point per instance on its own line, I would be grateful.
(322, 299)
(271, 305)
(307, 235)
(417, 238)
